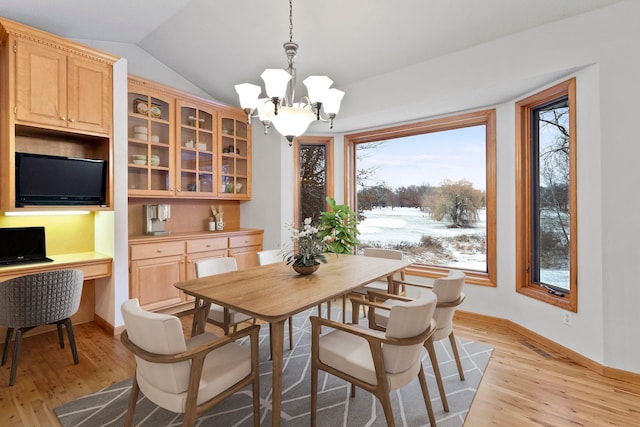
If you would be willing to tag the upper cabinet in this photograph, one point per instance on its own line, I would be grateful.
(195, 148)
(184, 146)
(235, 156)
(151, 135)
(56, 99)
(58, 89)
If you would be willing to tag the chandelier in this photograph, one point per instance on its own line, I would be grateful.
(291, 118)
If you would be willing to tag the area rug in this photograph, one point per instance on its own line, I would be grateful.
(107, 407)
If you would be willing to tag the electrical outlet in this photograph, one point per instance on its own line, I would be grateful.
(567, 319)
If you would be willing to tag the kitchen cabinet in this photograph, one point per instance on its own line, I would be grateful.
(195, 148)
(150, 141)
(61, 90)
(234, 153)
(153, 271)
(55, 99)
(184, 136)
(157, 263)
(245, 248)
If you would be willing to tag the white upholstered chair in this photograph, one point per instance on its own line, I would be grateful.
(187, 376)
(449, 292)
(49, 297)
(272, 256)
(375, 361)
(218, 315)
(380, 285)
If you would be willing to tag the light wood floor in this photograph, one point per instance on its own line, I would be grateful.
(524, 384)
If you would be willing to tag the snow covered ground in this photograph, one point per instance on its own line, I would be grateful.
(387, 226)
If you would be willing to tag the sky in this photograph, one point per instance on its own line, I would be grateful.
(429, 158)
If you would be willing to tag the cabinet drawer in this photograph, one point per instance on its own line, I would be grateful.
(203, 245)
(247, 240)
(155, 250)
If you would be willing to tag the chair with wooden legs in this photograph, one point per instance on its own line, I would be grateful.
(376, 362)
(449, 292)
(379, 285)
(49, 297)
(221, 316)
(187, 376)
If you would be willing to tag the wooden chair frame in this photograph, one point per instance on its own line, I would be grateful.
(381, 389)
(375, 295)
(197, 356)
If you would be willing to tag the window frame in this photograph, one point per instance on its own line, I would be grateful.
(325, 141)
(524, 198)
(483, 117)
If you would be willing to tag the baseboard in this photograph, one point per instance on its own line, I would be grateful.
(552, 345)
(103, 324)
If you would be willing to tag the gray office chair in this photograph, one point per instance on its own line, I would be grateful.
(26, 302)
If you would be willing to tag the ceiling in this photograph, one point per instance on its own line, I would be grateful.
(218, 43)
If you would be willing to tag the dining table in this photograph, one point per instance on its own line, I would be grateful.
(275, 292)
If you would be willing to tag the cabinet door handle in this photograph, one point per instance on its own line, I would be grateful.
(159, 251)
(63, 118)
(208, 246)
(72, 120)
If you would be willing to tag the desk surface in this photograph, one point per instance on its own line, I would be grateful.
(274, 292)
(93, 264)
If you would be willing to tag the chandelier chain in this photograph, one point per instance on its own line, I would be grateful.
(290, 20)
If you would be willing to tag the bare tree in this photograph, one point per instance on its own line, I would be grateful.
(457, 202)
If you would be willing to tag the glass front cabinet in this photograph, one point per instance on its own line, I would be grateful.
(235, 157)
(184, 146)
(196, 146)
(150, 148)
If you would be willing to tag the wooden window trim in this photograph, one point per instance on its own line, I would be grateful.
(327, 142)
(484, 117)
(524, 283)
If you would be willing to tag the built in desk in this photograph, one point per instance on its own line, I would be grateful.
(94, 265)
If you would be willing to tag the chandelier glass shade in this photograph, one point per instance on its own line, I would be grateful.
(290, 117)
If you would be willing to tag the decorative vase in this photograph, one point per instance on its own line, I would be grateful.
(306, 269)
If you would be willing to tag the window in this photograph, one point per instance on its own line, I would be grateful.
(314, 171)
(546, 203)
(428, 189)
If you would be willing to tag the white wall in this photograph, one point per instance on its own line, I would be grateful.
(600, 50)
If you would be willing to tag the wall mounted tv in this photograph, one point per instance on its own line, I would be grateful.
(43, 180)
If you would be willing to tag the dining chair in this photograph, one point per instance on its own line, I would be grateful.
(381, 284)
(449, 293)
(28, 301)
(273, 256)
(218, 315)
(372, 360)
(187, 376)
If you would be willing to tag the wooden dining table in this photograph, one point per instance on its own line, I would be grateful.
(275, 292)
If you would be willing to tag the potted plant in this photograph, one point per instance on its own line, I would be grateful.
(308, 249)
(339, 228)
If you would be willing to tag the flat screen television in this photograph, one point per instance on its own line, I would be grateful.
(43, 180)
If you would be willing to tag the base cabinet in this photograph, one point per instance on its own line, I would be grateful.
(157, 263)
(152, 281)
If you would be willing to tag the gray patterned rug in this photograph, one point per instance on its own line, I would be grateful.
(108, 406)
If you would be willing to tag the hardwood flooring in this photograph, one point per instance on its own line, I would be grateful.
(524, 384)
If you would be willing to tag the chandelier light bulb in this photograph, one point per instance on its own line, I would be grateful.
(291, 118)
(332, 101)
(248, 94)
(317, 88)
(275, 82)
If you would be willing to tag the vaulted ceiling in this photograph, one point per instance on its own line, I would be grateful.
(217, 43)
